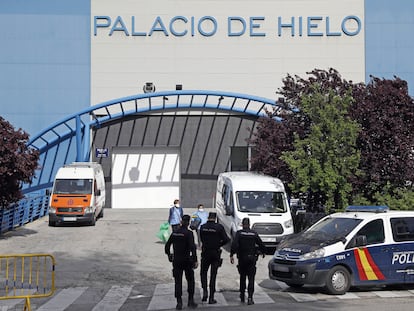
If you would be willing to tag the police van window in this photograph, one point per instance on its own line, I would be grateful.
(402, 229)
(335, 227)
(374, 231)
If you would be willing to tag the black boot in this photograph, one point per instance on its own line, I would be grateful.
(192, 304)
(242, 297)
(179, 305)
(250, 301)
(211, 300)
(205, 295)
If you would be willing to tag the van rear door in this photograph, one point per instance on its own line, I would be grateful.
(402, 252)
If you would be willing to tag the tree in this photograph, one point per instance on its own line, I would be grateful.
(324, 161)
(386, 114)
(17, 163)
(384, 110)
(271, 139)
(274, 137)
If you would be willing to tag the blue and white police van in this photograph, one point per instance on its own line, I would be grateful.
(363, 246)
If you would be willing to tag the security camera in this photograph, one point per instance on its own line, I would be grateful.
(149, 87)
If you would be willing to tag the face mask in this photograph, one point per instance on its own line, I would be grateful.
(177, 205)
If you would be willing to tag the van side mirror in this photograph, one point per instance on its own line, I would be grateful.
(98, 192)
(229, 210)
(361, 240)
(48, 192)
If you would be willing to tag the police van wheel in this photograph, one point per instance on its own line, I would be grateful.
(338, 281)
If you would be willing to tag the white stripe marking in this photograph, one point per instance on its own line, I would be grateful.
(114, 298)
(163, 297)
(387, 294)
(63, 299)
(6, 304)
(260, 295)
(282, 285)
(221, 301)
(302, 297)
(348, 296)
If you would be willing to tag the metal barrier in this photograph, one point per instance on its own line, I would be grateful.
(27, 210)
(25, 276)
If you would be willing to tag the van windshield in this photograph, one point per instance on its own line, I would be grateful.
(75, 186)
(332, 228)
(261, 201)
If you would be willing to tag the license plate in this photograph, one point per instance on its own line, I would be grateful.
(69, 218)
(281, 268)
(268, 239)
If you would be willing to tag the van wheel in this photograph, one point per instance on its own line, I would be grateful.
(93, 221)
(101, 213)
(338, 281)
(52, 223)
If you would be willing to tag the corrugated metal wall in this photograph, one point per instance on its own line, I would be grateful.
(204, 142)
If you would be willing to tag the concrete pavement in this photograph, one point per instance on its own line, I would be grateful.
(121, 248)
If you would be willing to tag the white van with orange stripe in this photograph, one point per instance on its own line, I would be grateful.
(363, 246)
(78, 194)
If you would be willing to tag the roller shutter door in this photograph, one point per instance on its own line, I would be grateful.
(145, 178)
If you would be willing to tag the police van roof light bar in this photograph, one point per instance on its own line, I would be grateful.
(367, 208)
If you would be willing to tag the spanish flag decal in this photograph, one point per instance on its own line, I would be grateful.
(367, 269)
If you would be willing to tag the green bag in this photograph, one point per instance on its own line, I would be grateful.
(164, 232)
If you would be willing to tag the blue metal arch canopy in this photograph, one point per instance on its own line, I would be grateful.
(59, 142)
(75, 125)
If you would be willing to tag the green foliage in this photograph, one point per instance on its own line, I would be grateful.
(401, 198)
(324, 160)
(384, 146)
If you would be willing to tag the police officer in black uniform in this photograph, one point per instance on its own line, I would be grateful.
(184, 259)
(213, 237)
(247, 245)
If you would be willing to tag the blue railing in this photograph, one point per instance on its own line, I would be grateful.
(27, 210)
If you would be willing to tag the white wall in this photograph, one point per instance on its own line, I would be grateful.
(121, 64)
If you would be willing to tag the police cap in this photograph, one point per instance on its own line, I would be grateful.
(186, 219)
(246, 222)
(212, 216)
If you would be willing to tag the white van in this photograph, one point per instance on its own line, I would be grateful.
(78, 194)
(363, 246)
(259, 197)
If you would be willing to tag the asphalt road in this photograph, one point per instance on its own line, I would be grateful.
(120, 249)
(121, 259)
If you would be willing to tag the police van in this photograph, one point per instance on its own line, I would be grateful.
(363, 246)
